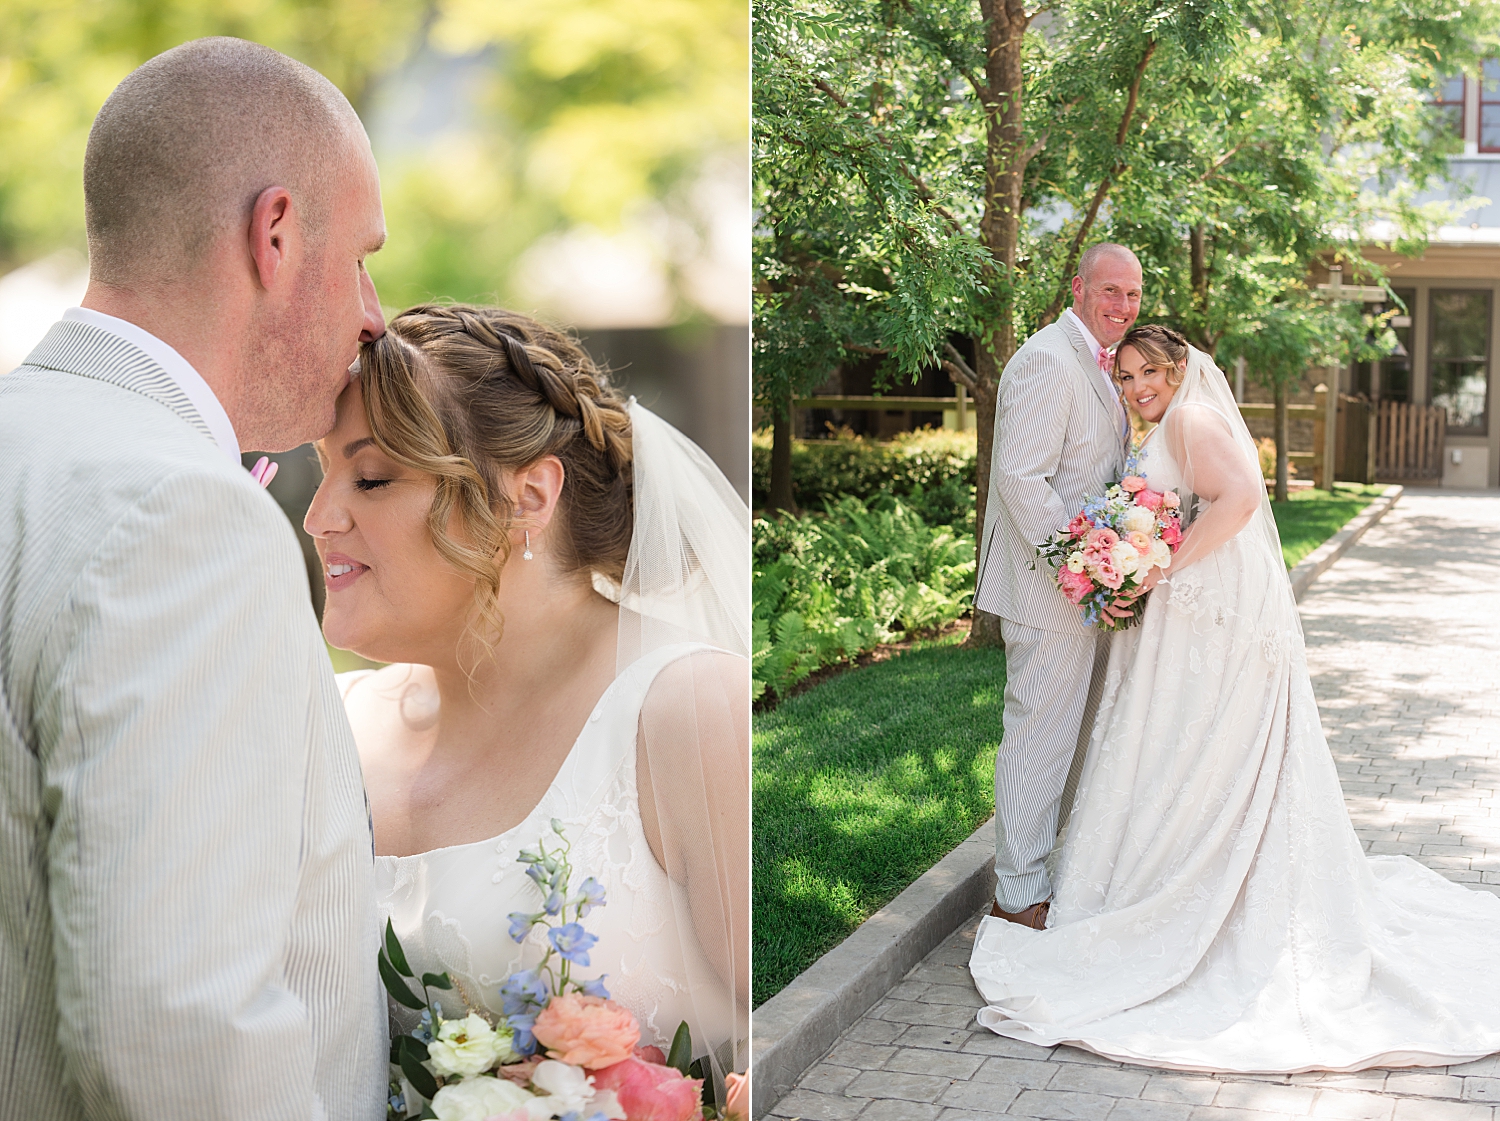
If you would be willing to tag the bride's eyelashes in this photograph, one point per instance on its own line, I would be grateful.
(370, 484)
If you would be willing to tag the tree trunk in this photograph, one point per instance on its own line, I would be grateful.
(986, 627)
(1283, 441)
(781, 498)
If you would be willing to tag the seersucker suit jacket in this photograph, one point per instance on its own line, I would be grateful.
(1058, 442)
(187, 914)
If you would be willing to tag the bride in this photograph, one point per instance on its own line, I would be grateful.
(560, 581)
(1215, 910)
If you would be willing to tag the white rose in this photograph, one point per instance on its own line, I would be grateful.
(475, 1099)
(1138, 519)
(1161, 554)
(1075, 562)
(1127, 561)
(568, 1089)
(467, 1047)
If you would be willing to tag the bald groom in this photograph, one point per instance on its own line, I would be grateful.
(187, 917)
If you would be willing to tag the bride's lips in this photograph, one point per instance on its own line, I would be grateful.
(340, 571)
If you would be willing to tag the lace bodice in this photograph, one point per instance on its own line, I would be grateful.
(450, 906)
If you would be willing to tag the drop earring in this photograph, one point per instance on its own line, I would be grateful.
(527, 554)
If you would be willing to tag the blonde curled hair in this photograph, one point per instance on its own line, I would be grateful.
(462, 393)
(1159, 346)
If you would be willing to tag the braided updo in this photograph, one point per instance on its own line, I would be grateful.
(463, 392)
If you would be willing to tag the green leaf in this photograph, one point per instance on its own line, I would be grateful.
(681, 1054)
(437, 980)
(427, 1114)
(415, 1046)
(397, 987)
(394, 951)
(699, 1070)
(419, 1076)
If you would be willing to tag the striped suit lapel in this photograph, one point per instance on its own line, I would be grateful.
(77, 348)
(1090, 364)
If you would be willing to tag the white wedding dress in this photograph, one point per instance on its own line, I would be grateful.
(449, 906)
(1214, 909)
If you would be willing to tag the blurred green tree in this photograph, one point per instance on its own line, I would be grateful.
(584, 112)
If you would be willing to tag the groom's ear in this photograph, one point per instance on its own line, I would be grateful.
(272, 221)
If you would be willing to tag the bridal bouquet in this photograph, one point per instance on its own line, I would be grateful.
(562, 1048)
(1107, 550)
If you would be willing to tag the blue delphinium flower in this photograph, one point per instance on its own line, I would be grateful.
(521, 924)
(423, 1029)
(596, 987)
(522, 1041)
(590, 895)
(572, 942)
(554, 903)
(524, 990)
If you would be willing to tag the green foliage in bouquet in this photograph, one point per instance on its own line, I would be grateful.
(930, 471)
(828, 588)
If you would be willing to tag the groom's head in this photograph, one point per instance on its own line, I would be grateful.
(225, 183)
(1107, 291)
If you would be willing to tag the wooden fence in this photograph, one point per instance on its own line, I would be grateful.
(1409, 442)
(958, 405)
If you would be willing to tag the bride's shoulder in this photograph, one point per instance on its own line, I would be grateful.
(700, 698)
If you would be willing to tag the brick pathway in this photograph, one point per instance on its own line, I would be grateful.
(1403, 640)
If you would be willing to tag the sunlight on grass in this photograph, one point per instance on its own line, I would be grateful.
(1310, 517)
(861, 785)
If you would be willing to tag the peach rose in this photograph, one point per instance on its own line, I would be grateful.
(1133, 483)
(1140, 542)
(586, 1031)
(737, 1097)
(1170, 500)
(648, 1092)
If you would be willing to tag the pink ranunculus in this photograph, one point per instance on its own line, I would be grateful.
(1110, 576)
(587, 1031)
(1102, 538)
(1170, 500)
(737, 1097)
(1171, 532)
(1133, 483)
(1078, 526)
(1150, 499)
(1074, 585)
(648, 1092)
(1140, 541)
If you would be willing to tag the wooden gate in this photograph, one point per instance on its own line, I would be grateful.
(1409, 442)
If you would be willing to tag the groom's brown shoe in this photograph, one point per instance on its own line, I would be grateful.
(1034, 916)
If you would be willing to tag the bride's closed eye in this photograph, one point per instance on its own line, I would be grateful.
(370, 484)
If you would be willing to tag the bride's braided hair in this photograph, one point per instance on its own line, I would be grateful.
(462, 392)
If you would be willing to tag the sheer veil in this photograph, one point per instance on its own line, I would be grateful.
(687, 580)
(1202, 413)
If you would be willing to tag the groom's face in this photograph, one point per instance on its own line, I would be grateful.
(1110, 299)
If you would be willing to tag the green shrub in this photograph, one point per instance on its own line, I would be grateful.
(829, 587)
(930, 470)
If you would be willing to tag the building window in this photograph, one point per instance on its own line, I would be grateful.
(1448, 102)
(1489, 106)
(1395, 368)
(1459, 367)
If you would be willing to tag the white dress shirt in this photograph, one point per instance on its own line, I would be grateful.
(1114, 390)
(176, 367)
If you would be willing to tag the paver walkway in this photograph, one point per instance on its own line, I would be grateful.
(1403, 638)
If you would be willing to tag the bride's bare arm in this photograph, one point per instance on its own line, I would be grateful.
(1217, 469)
(693, 775)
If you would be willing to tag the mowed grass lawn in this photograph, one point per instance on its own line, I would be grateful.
(861, 785)
(1311, 517)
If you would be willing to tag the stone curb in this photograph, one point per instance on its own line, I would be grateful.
(798, 1025)
(1317, 562)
